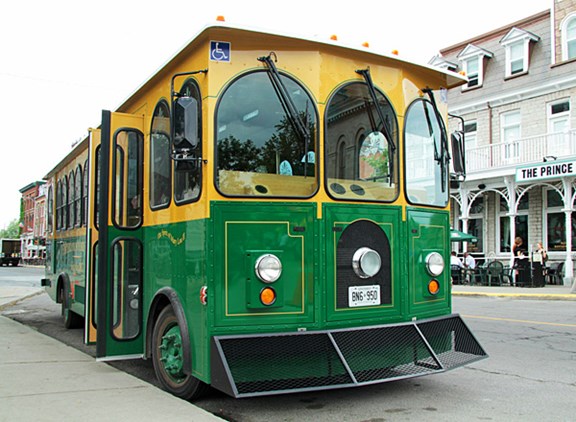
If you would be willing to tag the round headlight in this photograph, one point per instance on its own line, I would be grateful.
(268, 268)
(366, 262)
(434, 264)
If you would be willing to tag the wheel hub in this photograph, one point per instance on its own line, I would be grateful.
(171, 353)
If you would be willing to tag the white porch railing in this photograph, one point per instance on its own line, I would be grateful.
(520, 152)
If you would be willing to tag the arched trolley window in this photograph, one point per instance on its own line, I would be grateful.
(160, 163)
(187, 143)
(425, 151)
(260, 148)
(361, 139)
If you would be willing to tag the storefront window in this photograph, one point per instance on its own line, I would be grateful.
(475, 225)
(475, 229)
(556, 223)
(521, 222)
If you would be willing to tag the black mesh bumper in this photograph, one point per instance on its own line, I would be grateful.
(244, 366)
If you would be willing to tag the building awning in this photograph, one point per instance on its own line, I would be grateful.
(458, 236)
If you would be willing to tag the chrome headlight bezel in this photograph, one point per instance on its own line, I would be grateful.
(366, 262)
(434, 264)
(268, 268)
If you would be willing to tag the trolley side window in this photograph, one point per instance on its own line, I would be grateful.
(259, 151)
(160, 167)
(78, 197)
(127, 183)
(59, 205)
(86, 179)
(50, 210)
(187, 148)
(360, 163)
(71, 201)
(64, 203)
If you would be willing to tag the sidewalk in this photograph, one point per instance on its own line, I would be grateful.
(42, 379)
(549, 292)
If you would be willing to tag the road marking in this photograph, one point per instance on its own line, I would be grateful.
(523, 321)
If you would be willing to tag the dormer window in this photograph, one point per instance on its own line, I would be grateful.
(472, 69)
(442, 63)
(472, 60)
(517, 45)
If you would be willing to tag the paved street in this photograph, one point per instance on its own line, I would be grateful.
(528, 376)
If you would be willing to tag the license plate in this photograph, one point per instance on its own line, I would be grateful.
(363, 296)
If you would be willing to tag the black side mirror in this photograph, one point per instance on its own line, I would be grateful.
(185, 123)
(458, 155)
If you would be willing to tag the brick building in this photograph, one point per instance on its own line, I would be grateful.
(519, 120)
(33, 235)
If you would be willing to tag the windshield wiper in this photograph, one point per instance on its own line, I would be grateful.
(437, 156)
(444, 158)
(365, 73)
(299, 125)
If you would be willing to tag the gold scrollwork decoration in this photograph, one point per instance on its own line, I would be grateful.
(171, 238)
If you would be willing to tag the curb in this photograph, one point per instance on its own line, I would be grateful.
(13, 302)
(545, 296)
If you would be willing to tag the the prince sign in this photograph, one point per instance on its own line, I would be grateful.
(549, 170)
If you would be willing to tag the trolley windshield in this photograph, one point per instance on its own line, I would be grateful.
(259, 151)
(426, 155)
(360, 160)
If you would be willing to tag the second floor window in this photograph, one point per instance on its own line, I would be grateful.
(511, 132)
(559, 116)
(569, 38)
(470, 131)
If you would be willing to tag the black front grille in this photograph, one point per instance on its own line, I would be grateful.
(245, 366)
(360, 234)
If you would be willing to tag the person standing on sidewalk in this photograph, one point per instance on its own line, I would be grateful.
(539, 258)
(521, 264)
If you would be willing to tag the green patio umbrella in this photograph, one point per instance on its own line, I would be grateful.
(458, 236)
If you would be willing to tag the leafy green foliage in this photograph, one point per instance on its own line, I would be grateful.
(12, 231)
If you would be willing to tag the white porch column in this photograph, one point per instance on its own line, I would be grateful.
(568, 266)
(511, 186)
(465, 211)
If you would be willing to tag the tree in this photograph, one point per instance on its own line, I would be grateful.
(12, 231)
(237, 155)
(287, 145)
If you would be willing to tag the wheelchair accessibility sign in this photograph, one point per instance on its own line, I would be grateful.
(219, 51)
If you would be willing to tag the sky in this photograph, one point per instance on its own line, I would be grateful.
(62, 62)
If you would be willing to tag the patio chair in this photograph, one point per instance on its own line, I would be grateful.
(554, 273)
(495, 270)
(477, 276)
(508, 275)
(456, 272)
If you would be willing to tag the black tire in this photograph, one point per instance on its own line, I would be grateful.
(167, 358)
(71, 319)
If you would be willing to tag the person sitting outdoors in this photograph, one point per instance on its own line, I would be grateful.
(457, 268)
(455, 261)
(469, 261)
(469, 266)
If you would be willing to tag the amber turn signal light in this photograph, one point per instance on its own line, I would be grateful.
(267, 296)
(433, 287)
